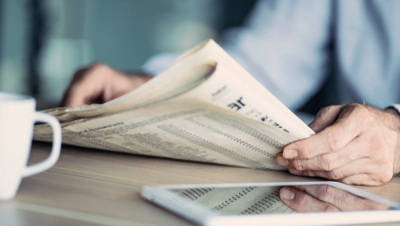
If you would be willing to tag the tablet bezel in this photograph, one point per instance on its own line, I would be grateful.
(163, 196)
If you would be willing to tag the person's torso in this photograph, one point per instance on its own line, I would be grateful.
(367, 40)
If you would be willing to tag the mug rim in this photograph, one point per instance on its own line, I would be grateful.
(13, 97)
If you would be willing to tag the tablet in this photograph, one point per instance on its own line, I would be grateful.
(314, 203)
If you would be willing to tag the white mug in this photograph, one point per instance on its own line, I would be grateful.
(17, 117)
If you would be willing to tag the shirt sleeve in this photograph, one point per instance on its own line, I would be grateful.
(158, 63)
(284, 45)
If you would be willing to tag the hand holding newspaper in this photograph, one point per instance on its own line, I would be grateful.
(205, 107)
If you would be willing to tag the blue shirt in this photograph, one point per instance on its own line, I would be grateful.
(285, 46)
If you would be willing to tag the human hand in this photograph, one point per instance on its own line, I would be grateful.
(354, 144)
(325, 198)
(100, 83)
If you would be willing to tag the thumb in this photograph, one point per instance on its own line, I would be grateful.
(325, 117)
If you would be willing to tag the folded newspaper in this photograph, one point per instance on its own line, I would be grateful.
(205, 107)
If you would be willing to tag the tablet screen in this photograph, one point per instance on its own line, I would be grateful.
(253, 200)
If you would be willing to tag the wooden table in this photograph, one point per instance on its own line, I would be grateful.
(92, 187)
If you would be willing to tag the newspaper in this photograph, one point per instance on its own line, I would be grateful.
(205, 107)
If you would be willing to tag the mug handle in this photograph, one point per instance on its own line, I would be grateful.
(55, 151)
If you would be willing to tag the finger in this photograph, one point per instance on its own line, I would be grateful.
(84, 90)
(75, 79)
(339, 198)
(302, 202)
(351, 121)
(375, 176)
(82, 94)
(356, 149)
(282, 161)
(364, 179)
(361, 166)
(325, 118)
(73, 99)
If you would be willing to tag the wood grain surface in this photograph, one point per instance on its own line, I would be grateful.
(92, 187)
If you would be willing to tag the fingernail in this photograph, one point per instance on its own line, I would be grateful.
(289, 154)
(293, 171)
(282, 161)
(287, 194)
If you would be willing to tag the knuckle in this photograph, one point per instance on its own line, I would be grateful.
(327, 162)
(364, 115)
(377, 142)
(92, 70)
(98, 69)
(384, 177)
(355, 106)
(297, 164)
(335, 174)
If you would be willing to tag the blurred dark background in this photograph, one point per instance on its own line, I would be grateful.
(42, 42)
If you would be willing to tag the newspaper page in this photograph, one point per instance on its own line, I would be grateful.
(182, 130)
